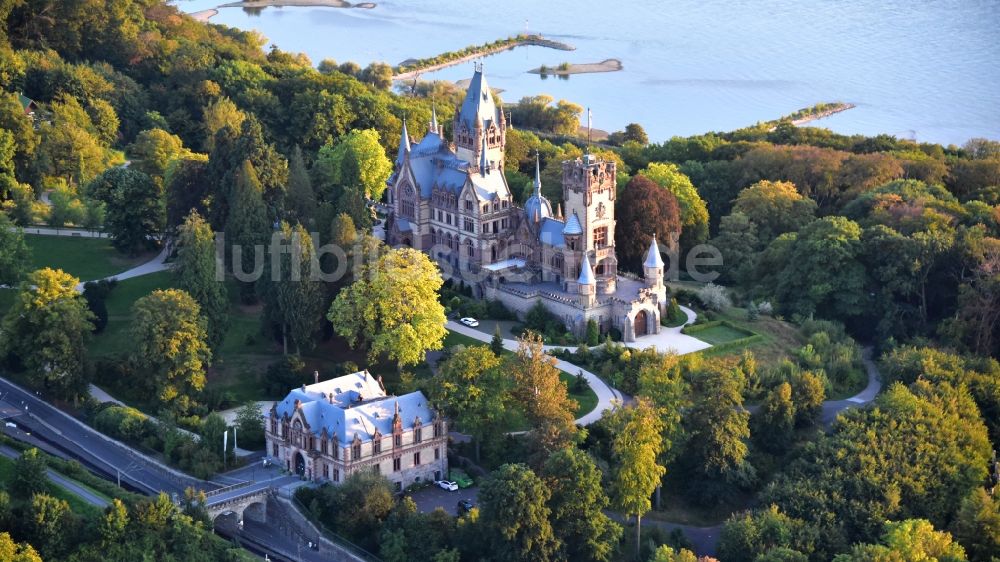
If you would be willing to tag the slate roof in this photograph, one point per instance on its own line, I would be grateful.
(573, 225)
(359, 407)
(478, 108)
(551, 232)
(653, 258)
(586, 272)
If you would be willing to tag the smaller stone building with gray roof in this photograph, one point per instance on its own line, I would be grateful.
(328, 430)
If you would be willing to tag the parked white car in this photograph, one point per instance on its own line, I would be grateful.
(447, 485)
(11, 424)
(471, 322)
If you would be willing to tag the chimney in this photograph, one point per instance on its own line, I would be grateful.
(315, 376)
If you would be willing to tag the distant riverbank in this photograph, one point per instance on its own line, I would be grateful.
(565, 69)
(297, 3)
(820, 111)
(412, 68)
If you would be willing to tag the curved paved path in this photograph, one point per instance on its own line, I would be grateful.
(606, 396)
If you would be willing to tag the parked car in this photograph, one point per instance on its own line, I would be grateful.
(459, 477)
(464, 506)
(470, 322)
(11, 424)
(446, 485)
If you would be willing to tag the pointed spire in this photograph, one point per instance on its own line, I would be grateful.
(586, 272)
(404, 144)
(536, 216)
(538, 177)
(434, 120)
(653, 258)
(484, 163)
(559, 210)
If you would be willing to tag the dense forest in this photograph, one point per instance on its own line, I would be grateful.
(130, 117)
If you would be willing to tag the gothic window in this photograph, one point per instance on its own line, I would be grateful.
(418, 434)
(398, 440)
(601, 237)
(601, 211)
(468, 226)
(377, 444)
(468, 204)
(437, 429)
(468, 249)
(356, 451)
(437, 454)
(406, 209)
(416, 459)
(504, 204)
(326, 471)
(486, 209)
(496, 206)
(324, 445)
(336, 475)
(377, 468)
(396, 464)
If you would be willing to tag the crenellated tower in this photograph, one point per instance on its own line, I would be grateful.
(589, 195)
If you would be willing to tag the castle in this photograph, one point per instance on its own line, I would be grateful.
(452, 201)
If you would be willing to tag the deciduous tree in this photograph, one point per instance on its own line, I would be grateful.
(293, 294)
(577, 504)
(644, 209)
(636, 445)
(393, 307)
(171, 347)
(474, 391)
(134, 207)
(47, 327)
(15, 256)
(693, 212)
(514, 515)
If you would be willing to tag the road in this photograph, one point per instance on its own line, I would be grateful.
(86, 494)
(76, 440)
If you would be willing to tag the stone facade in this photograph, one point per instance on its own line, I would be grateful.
(329, 430)
(452, 201)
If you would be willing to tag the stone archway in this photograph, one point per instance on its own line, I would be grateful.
(407, 242)
(300, 464)
(640, 326)
(256, 511)
(227, 521)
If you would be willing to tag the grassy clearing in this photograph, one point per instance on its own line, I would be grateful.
(76, 504)
(115, 339)
(84, 258)
(721, 334)
(779, 339)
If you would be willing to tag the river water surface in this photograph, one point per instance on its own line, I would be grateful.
(928, 70)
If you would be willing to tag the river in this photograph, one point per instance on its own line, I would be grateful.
(927, 70)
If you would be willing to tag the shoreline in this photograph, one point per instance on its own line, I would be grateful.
(204, 15)
(839, 107)
(606, 65)
(534, 40)
(295, 3)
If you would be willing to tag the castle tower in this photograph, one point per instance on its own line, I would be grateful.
(587, 283)
(404, 146)
(478, 120)
(589, 194)
(652, 270)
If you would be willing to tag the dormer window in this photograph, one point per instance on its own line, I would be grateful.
(418, 434)
(356, 451)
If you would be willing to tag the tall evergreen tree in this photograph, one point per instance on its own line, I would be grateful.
(246, 228)
(200, 274)
(300, 201)
(294, 296)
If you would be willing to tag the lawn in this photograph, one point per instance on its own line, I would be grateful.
(76, 504)
(84, 258)
(778, 339)
(721, 334)
(586, 401)
(115, 339)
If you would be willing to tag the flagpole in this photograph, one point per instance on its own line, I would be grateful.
(590, 127)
